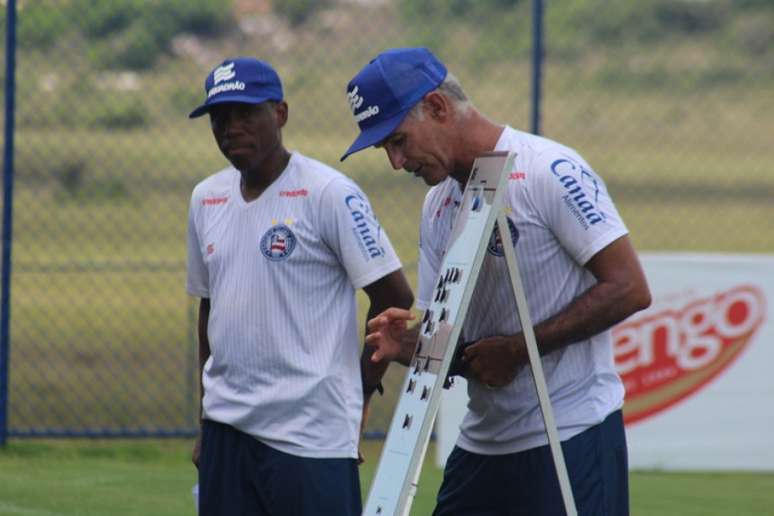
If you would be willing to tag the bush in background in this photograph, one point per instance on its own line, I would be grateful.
(299, 11)
(120, 112)
(121, 34)
(40, 26)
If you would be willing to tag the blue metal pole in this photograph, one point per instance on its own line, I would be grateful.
(5, 288)
(537, 62)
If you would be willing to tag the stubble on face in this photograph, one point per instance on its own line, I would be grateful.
(422, 148)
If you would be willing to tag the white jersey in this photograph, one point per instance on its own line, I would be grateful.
(560, 216)
(281, 273)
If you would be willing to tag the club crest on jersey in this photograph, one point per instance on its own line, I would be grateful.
(278, 243)
(495, 247)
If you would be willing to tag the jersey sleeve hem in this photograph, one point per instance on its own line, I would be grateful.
(376, 274)
(600, 243)
(197, 292)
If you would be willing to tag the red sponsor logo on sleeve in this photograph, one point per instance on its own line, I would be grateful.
(666, 356)
(517, 176)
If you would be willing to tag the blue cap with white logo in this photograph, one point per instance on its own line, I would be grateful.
(242, 79)
(385, 90)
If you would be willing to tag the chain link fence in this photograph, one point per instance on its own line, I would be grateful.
(669, 100)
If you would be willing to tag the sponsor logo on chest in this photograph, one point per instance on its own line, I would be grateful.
(214, 201)
(301, 192)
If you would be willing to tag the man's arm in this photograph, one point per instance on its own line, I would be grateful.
(204, 344)
(204, 354)
(620, 291)
(391, 290)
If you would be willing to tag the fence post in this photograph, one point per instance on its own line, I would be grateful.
(5, 294)
(537, 62)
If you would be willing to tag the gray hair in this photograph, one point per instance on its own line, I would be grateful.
(452, 90)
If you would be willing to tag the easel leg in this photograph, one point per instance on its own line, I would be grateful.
(415, 481)
(537, 366)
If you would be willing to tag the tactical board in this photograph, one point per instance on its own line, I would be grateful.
(394, 484)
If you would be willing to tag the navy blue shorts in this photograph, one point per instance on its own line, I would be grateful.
(525, 483)
(239, 475)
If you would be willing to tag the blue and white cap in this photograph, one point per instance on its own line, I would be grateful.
(385, 90)
(242, 79)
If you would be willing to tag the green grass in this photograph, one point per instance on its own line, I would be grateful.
(150, 477)
(93, 478)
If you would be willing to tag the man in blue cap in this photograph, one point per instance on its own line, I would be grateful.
(277, 245)
(581, 276)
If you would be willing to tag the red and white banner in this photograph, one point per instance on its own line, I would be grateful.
(698, 366)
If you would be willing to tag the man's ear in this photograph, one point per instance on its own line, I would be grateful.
(438, 107)
(281, 112)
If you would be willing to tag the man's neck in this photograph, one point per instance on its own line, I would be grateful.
(478, 135)
(258, 179)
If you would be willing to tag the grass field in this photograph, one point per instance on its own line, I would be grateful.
(143, 478)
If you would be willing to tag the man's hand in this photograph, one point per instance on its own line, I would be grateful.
(494, 361)
(387, 335)
(363, 421)
(197, 450)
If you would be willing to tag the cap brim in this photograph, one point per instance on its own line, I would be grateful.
(375, 134)
(205, 108)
